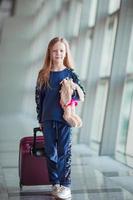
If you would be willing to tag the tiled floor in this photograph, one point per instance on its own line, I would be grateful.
(93, 177)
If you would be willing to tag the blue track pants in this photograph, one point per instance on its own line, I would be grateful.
(58, 142)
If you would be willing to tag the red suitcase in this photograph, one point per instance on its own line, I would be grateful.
(32, 161)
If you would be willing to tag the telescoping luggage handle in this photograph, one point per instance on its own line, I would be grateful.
(35, 151)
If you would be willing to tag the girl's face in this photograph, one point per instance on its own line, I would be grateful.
(58, 53)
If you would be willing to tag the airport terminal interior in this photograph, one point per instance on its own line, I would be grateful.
(100, 34)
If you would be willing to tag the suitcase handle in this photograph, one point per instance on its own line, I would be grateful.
(35, 130)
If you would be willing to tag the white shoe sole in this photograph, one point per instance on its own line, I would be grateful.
(65, 197)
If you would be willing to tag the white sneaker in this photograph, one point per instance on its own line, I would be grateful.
(64, 192)
(55, 189)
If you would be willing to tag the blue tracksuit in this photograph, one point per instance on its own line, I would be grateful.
(57, 131)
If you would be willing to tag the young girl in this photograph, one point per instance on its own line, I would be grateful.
(58, 65)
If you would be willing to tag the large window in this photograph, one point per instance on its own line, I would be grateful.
(84, 54)
(129, 147)
(124, 118)
(92, 13)
(125, 132)
(103, 83)
(88, 14)
(130, 55)
(99, 112)
(75, 9)
(108, 46)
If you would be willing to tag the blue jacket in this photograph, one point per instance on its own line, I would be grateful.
(48, 98)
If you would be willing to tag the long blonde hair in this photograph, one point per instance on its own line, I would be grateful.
(43, 75)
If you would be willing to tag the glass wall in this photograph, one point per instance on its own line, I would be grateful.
(108, 45)
(125, 131)
(125, 114)
(99, 113)
(104, 56)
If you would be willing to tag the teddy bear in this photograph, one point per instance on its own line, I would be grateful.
(68, 103)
